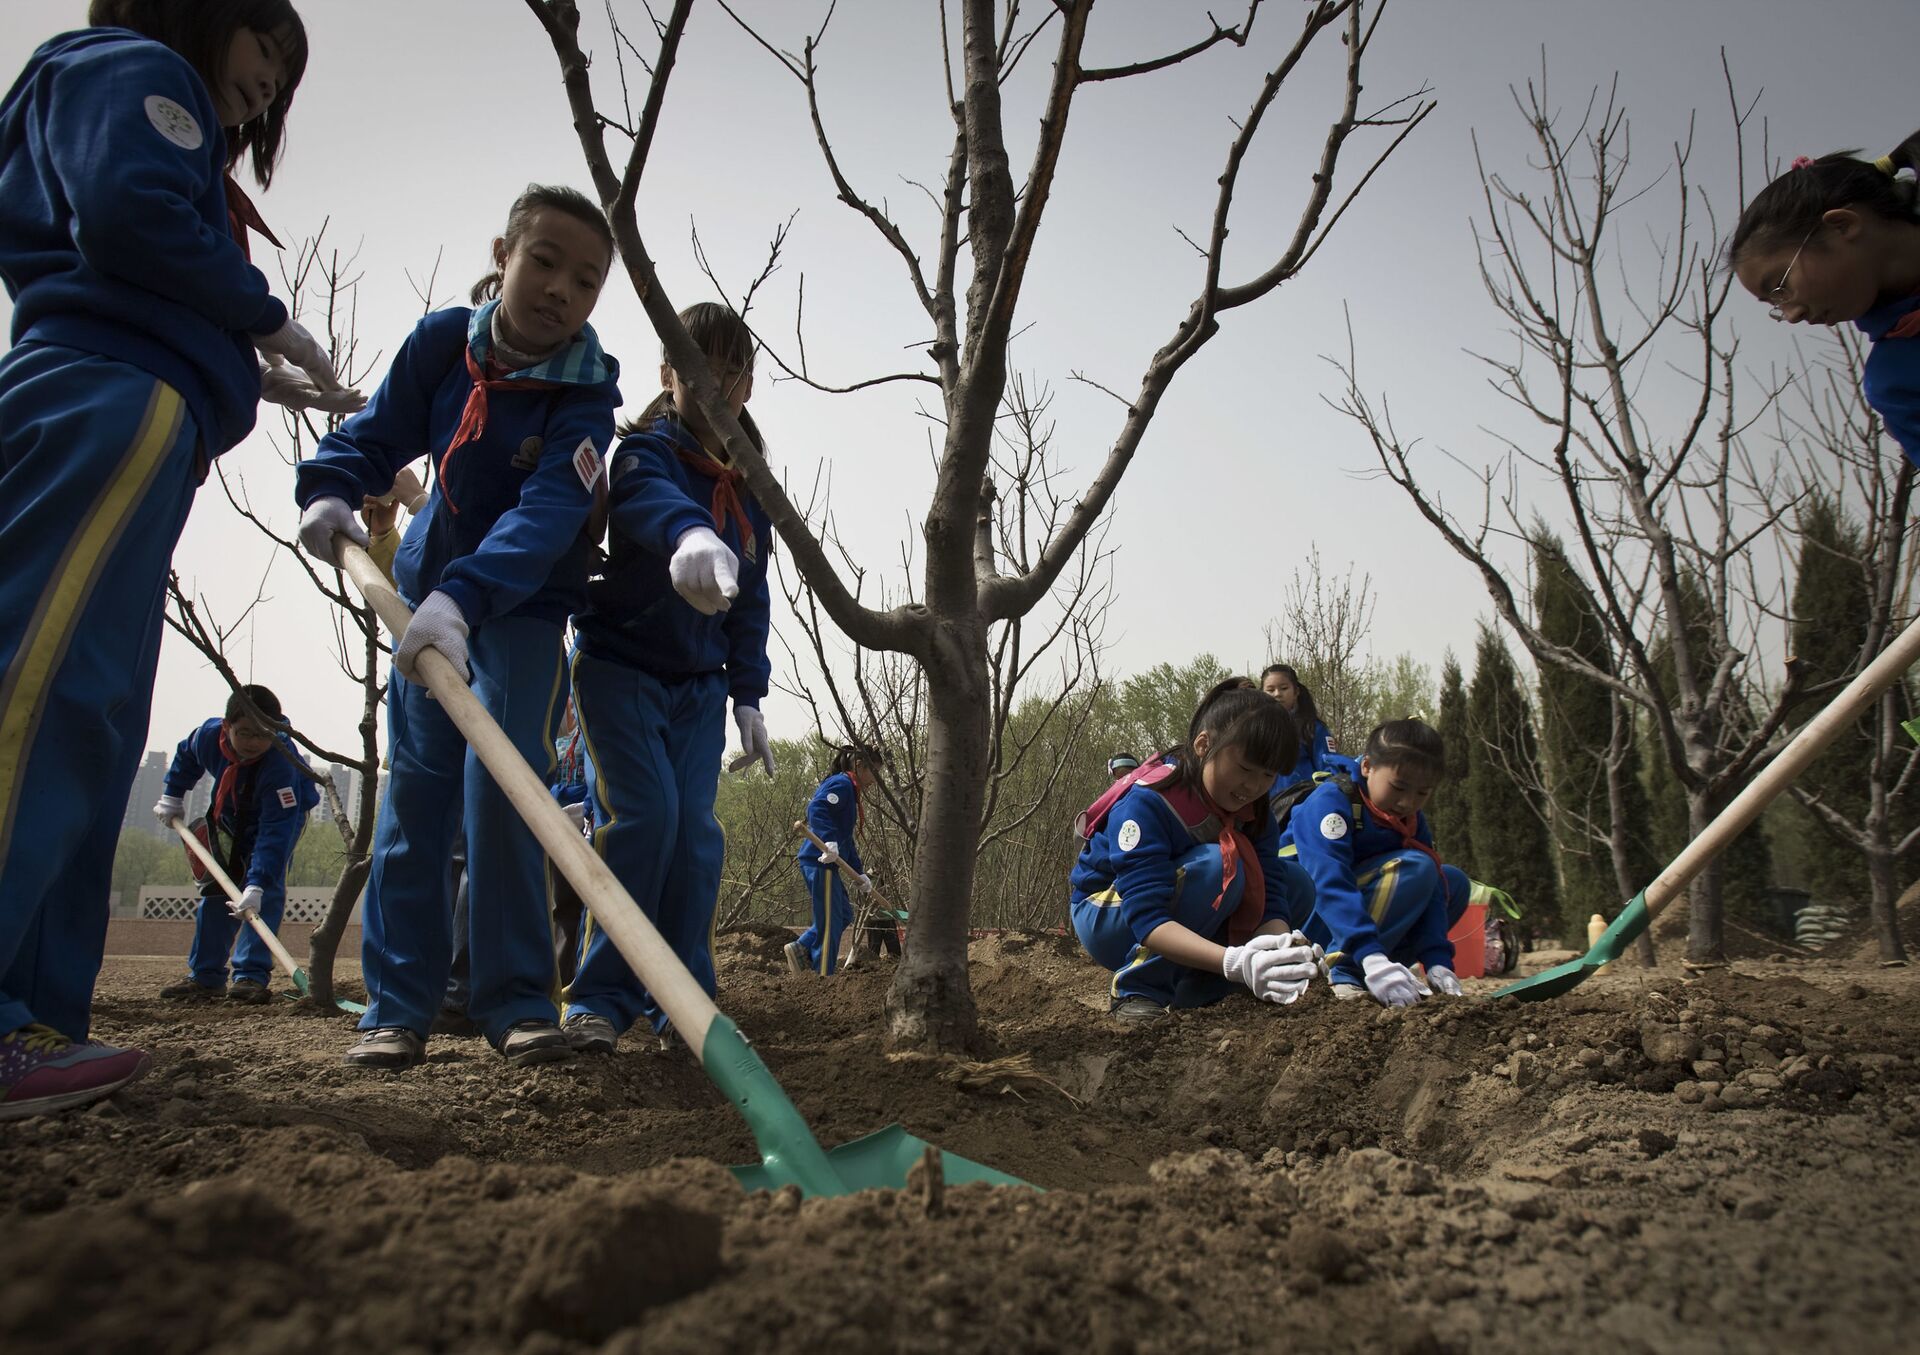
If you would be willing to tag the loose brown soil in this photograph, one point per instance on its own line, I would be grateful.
(1652, 1163)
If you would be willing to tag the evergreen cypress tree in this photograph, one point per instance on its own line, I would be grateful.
(1576, 724)
(1447, 814)
(1511, 845)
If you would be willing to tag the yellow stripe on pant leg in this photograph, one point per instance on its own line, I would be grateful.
(826, 915)
(1382, 881)
(56, 617)
(1139, 957)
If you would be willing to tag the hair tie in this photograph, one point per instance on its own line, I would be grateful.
(1885, 165)
(1801, 162)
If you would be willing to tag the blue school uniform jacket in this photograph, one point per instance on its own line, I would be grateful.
(271, 802)
(1334, 852)
(1318, 755)
(1892, 378)
(113, 223)
(506, 529)
(833, 813)
(634, 617)
(1132, 854)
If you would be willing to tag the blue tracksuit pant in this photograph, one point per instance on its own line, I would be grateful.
(214, 929)
(98, 467)
(654, 750)
(832, 915)
(1138, 972)
(519, 675)
(1413, 909)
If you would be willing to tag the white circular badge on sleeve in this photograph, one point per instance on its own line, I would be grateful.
(174, 122)
(1129, 837)
(1333, 827)
(833, 797)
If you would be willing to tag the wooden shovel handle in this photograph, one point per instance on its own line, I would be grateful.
(799, 826)
(614, 911)
(1808, 744)
(214, 868)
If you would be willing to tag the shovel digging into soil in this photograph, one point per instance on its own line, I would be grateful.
(789, 1153)
(1747, 806)
(261, 929)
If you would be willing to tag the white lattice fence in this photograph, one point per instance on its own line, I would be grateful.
(178, 903)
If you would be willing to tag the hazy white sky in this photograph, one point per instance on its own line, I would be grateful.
(419, 120)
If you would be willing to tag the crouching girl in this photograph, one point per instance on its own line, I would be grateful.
(1180, 889)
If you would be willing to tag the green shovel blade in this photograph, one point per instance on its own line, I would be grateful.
(305, 988)
(1563, 978)
(791, 1156)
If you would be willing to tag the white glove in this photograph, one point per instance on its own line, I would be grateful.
(292, 343)
(866, 883)
(322, 519)
(1392, 984)
(1444, 981)
(249, 902)
(831, 856)
(753, 739)
(1245, 964)
(168, 808)
(289, 386)
(437, 622)
(704, 571)
(1284, 973)
(576, 814)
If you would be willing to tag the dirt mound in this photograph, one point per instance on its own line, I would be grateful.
(1611, 1167)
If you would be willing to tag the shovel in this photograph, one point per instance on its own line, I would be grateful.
(789, 1154)
(261, 929)
(874, 901)
(1808, 744)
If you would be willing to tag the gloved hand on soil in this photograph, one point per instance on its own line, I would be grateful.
(1261, 964)
(1393, 985)
(168, 808)
(1444, 981)
(1291, 969)
(249, 902)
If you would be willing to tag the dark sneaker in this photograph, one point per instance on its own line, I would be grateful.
(42, 1071)
(188, 990)
(389, 1047)
(1137, 1011)
(797, 958)
(453, 1021)
(528, 1042)
(590, 1033)
(250, 991)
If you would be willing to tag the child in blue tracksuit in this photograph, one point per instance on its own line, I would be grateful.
(1384, 900)
(1180, 889)
(135, 327)
(1317, 753)
(515, 401)
(833, 816)
(675, 628)
(1838, 239)
(262, 795)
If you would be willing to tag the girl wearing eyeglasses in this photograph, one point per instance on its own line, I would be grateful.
(1837, 239)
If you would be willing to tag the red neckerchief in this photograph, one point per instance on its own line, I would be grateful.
(230, 778)
(726, 491)
(473, 418)
(242, 215)
(1237, 854)
(1406, 828)
(1907, 326)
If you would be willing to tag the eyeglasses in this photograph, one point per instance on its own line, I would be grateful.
(1777, 294)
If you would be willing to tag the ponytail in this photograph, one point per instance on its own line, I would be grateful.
(849, 755)
(1236, 714)
(1790, 208)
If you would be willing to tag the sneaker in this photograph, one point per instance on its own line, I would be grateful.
(590, 1033)
(453, 1021)
(191, 990)
(42, 1071)
(797, 958)
(1138, 1011)
(389, 1047)
(535, 1041)
(250, 991)
(1347, 992)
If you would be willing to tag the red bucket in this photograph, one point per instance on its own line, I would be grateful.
(1469, 937)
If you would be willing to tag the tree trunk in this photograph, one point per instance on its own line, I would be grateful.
(1705, 937)
(930, 1006)
(1885, 906)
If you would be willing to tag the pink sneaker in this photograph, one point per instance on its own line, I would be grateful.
(42, 1071)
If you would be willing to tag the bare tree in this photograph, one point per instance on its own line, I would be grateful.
(1670, 508)
(990, 222)
(325, 274)
(1854, 462)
